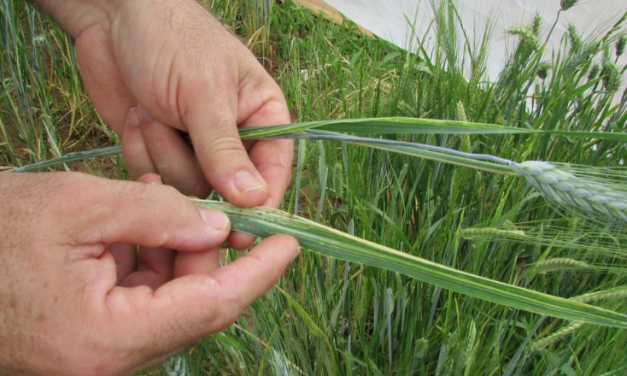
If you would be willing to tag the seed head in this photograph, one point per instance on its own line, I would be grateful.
(594, 72)
(421, 346)
(470, 343)
(559, 263)
(543, 70)
(621, 43)
(575, 61)
(611, 76)
(567, 189)
(581, 55)
(619, 292)
(461, 112)
(478, 233)
(552, 338)
(575, 39)
(536, 24)
(567, 4)
(528, 38)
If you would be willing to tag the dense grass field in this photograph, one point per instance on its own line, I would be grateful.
(331, 317)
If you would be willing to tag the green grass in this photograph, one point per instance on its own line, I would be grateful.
(331, 317)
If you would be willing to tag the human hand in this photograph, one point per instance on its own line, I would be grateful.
(188, 73)
(184, 71)
(72, 301)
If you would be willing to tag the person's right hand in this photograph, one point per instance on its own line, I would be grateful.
(172, 66)
(76, 299)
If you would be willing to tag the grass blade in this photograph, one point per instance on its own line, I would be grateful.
(72, 157)
(402, 125)
(264, 222)
(392, 125)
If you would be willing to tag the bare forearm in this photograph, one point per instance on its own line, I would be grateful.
(77, 15)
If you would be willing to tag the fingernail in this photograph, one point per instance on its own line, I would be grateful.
(246, 182)
(215, 219)
(133, 118)
(286, 160)
(144, 116)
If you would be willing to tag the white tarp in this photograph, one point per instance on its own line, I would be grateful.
(388, 20)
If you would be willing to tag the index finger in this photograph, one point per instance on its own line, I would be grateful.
(272, 158)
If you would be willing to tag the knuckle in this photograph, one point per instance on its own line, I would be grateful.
(226, 145)
(170, 193)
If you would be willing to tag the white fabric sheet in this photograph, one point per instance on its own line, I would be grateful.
(388, 19)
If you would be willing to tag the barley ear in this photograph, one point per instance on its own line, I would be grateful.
(551, 339)
(567, 4)
(559, 264)
(567, 189)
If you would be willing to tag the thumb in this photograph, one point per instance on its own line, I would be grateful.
(198, 305)
(224, 159)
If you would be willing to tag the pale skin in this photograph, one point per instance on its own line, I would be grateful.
(76, 298)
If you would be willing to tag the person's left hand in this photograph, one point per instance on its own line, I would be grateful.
(78, 298)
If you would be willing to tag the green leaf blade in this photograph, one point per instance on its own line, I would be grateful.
(264, 222)
(405, 126)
